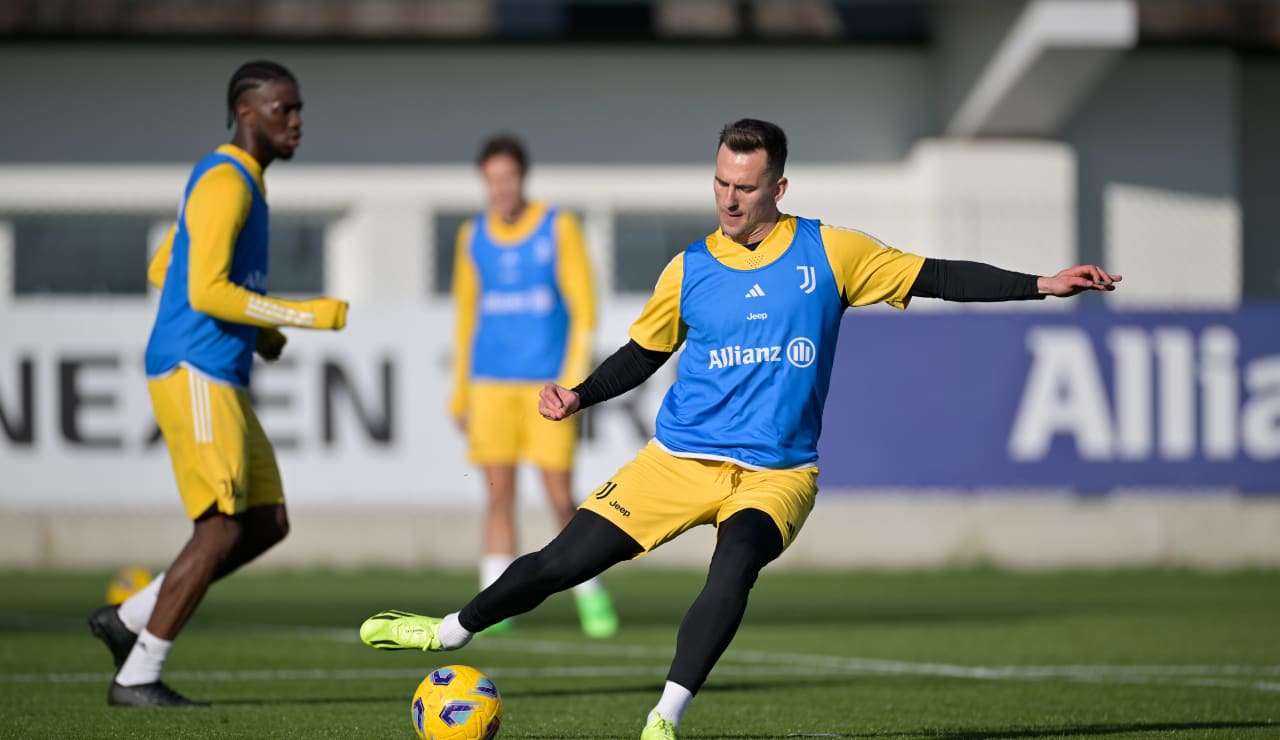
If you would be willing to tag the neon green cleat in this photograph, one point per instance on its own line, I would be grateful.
(595, 611)
(658, 728)
(396, 630)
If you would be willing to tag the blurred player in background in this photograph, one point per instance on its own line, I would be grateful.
(757, 306)
(526, 310)
(213, 315)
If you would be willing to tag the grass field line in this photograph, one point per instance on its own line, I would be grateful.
(596, 672)
(841, 664)
(874, 665)
(346, 674)
(736, 662)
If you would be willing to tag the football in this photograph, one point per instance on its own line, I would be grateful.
(456, 702)
(126, 583)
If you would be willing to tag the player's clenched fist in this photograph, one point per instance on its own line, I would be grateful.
(270, 343)
(556, 402)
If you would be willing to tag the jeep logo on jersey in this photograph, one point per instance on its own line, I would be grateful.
(801, 352)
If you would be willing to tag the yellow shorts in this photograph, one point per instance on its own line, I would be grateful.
(219, 452)
(504, 427)
(657, 496)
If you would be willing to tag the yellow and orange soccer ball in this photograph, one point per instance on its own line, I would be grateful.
(456, 702)
(126, 583)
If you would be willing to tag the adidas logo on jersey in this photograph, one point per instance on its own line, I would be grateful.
(755, 292)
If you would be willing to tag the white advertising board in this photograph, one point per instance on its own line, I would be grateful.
(358, 418)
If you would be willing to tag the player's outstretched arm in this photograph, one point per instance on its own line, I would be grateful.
(1076, 280)
(960, 280)
(223, 299)
(214, 213)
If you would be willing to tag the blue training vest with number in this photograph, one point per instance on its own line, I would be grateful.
(522, 324)
(223, 350)
(753, 377)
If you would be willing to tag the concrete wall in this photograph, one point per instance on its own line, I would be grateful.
(1158, 177)
(424, 104)
(1259, 177)
(869, 530)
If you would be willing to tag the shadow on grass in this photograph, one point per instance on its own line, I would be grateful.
(574, 691)
(990, 734)
(1093, 730)
(577, 691)
(1088, 730)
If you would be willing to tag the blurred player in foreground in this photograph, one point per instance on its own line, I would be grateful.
(757, 306)
(213, 314)
(525, 304)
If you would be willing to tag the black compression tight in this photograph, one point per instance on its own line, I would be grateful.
(746, 542)
(590, 545)
(587, 546)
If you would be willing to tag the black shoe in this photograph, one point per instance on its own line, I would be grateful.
(148, 695)
(106, 626)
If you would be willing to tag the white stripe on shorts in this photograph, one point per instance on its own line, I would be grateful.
(200, 415)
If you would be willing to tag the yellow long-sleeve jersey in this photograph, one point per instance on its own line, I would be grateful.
(211, 268)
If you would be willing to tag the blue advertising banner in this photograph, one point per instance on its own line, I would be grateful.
(1090, 400)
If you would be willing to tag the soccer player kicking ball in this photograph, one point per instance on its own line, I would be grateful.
(213, 314)
(757, 306)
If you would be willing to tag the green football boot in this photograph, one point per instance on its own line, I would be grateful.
(595, 611)
(658, 728)
(397, 630)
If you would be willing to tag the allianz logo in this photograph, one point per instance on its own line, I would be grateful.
(800, 352)
(537, 300)
(1173, 394)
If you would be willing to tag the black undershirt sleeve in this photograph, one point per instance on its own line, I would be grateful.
(958, 280)
(623, 370)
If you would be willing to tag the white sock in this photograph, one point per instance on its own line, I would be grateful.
(145, 661)
(135, 612)
(675, 700)
(589, 586)
(492, 565)
(452, 634)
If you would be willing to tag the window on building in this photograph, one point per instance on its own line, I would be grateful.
(80, 253)
(297, 253)
(106, 253)
(447, 225)
(643, 244)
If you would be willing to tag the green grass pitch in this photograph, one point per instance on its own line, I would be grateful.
(961, 655)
